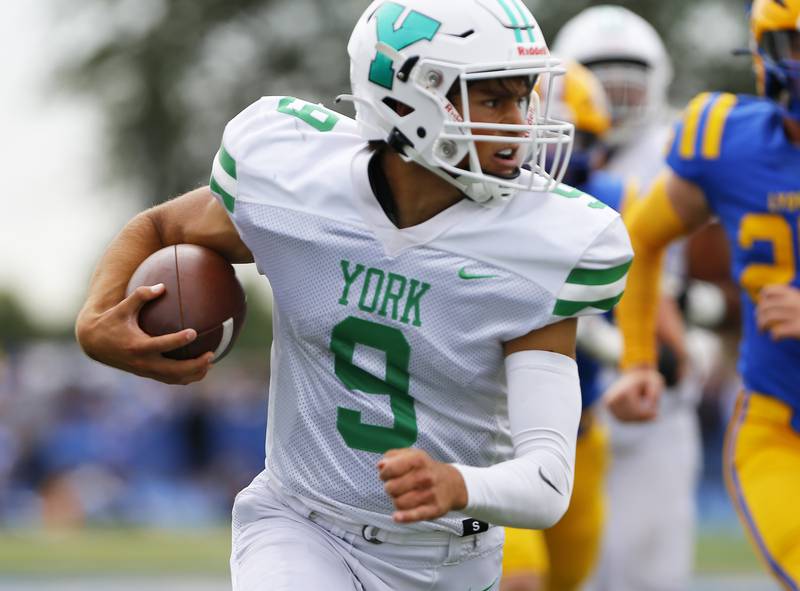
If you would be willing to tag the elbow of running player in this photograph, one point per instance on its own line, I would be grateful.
(528, 492)
(532, 490)
(546, 489)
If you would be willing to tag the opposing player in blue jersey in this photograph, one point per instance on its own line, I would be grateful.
(738, 158)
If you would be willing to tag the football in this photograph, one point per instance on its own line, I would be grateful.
(202, 292)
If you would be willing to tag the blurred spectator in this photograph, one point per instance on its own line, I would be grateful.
(83, 444)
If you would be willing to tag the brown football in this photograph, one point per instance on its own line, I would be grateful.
(202, 293)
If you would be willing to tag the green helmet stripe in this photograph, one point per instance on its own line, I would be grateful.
(524, 13)
(513, 19)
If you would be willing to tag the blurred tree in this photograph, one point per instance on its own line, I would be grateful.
(16, 326)
(257, 330)
(169, 74)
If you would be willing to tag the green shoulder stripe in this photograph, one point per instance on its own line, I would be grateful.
(227, 162)
(227, 198)
(567, 309)
(598, 276)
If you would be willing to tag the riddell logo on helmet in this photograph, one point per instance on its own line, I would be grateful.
(453, 112)
(528, 50)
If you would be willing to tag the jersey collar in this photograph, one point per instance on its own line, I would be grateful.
(393, 239)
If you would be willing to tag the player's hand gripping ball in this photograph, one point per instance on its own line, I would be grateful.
(202, 293)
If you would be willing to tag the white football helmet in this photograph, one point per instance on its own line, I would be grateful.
(412, 53)
(626, 53)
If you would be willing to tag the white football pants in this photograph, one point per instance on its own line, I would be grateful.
(649, 538)
(281, 545)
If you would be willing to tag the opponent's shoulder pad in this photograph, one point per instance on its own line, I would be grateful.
(597, 281)
(701, 130)
(276, 136)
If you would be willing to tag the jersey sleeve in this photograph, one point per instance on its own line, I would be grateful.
(697, 143)
(596, 284)
(236, 138)
(270, 145)
(224, 184)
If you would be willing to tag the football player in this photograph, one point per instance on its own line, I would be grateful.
(643, 548)
(738, 158)
(426, 290)
(565, 554)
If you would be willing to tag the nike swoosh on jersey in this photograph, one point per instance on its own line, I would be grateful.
(468, 277)
(548, 481)
(489, 587)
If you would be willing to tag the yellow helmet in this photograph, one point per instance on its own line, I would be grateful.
(773, 15)
(775, 33)
(580, 99)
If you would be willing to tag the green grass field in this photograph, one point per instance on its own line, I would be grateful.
(196, 553)
(118, 551)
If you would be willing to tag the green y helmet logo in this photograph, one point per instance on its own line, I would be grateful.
(416, 27)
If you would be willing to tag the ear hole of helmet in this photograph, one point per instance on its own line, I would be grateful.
(399, 107)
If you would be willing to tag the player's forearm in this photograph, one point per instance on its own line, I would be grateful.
(138, 239)
(638, 310)
(652, 225)
(195, 218)
(544, 407)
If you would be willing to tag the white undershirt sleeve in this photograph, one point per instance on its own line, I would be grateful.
(533, 489)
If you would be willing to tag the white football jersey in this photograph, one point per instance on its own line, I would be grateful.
(390, 338)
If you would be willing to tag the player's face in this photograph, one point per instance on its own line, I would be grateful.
(782, 49)
(782, 46)
(501, 101)
(626, 88)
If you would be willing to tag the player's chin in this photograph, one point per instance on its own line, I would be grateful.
(502, 168)
(507, 170)
(506, 175)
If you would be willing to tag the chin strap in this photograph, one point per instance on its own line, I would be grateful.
(481, 192)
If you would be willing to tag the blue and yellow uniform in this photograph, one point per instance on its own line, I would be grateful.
(736, 150)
